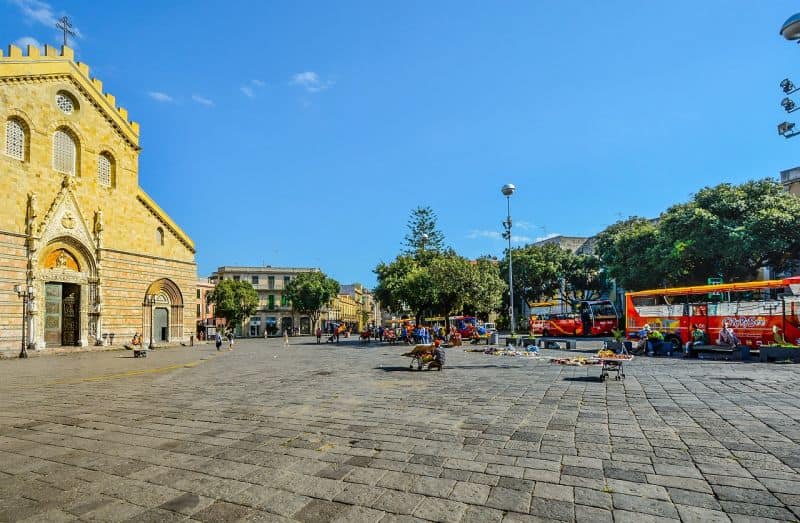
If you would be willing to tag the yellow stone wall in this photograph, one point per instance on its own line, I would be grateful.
(130, 257)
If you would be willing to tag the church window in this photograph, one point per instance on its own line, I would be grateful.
(64, 152)
(160, 236)
(105, 168)
(65, 102)
(15, 139)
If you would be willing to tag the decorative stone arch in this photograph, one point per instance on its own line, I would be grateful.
(66, 260)
(163, 296)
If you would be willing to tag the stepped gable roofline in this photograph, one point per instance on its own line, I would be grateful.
(162, 216)
(55, 63)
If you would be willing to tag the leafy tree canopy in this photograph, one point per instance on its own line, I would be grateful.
(543, 272)
(310, 292)
(728, 231)
(234, 300)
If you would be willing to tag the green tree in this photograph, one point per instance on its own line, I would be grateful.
(310, 292)
(423, 235)
(728, 231)
(731, 231)
(452, 281)
(537, 271)
(487, 288)
(583, 278)
(234, 301)
(404, 286)
(630, 254)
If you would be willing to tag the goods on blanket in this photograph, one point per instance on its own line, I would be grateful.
(606, 354)
(579, 360)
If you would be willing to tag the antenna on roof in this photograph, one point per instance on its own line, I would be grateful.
(66, 26)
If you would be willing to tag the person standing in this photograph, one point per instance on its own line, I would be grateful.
(319, 335)
(230, 340)
(218, 340)
(285, 338)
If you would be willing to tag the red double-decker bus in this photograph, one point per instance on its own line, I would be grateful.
(752, 308)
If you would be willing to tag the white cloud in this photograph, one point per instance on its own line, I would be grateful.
(25, 41)
(484, 234)
(160, 97)
(497, 235)
(202, 100)
(258, 83)
(36, 11)
(310, 81)
(247, 91)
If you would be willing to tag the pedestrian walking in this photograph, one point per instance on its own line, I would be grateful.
(218, 340)
(230, 340)
(285, 338)
(319, 335)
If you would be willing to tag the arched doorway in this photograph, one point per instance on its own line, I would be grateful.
(162, 313)
(65, 278)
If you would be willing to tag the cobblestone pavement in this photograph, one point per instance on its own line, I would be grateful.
(348, 433)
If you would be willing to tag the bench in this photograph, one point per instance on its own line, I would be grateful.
(140, 352)
(716, 352)
(555, 343)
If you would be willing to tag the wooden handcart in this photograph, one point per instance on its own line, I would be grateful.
(422, 357)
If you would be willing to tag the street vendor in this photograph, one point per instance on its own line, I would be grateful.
(438, 353)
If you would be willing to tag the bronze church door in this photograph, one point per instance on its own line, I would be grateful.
(62, 314)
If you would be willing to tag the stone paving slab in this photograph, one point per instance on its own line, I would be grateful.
(347, 433)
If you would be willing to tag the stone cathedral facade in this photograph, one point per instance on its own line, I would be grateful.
(99, 255)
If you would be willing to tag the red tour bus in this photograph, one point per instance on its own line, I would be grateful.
(594, 318)
(752, 308)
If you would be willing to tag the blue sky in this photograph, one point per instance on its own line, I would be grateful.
(303, 133)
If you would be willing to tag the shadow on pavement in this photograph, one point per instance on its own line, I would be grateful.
(584, 378)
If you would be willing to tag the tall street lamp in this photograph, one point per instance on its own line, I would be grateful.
(27, 293)
(790, 30)
(508, 190)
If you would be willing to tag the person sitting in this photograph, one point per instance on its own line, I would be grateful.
(475, 337)
(655, 342)
(136, 340)
(438, 356)
(698, 338)
(726, 336)
(641, 344)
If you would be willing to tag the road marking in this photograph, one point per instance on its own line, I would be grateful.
(131, 373)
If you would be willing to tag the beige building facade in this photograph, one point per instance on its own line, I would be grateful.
(100, 257)
(275, 314)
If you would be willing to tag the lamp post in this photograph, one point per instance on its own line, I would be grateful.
(508, 190)
(151, 301)
(26, 293)
(790, 30)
